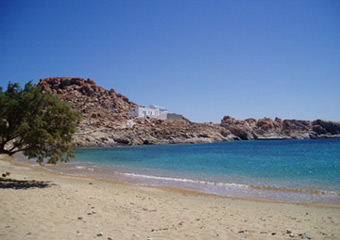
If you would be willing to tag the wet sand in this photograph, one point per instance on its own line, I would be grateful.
(56, 206)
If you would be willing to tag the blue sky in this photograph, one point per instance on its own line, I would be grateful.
(202, 59)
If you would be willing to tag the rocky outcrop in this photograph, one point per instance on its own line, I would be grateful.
(242, 130)
(106, 121)
(266, 128)
(84, 95)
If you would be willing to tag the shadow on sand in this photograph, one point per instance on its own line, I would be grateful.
(22, 184)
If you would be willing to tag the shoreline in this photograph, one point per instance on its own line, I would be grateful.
(118, 145)
(253, 193)
(171, 189)
(141, 212)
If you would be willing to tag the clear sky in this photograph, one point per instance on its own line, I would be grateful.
(202, 59)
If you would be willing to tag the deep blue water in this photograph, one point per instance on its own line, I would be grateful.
(289, 170)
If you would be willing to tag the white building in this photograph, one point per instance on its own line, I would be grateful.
(151, 111)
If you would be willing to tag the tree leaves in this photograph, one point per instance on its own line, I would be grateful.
(38, 124)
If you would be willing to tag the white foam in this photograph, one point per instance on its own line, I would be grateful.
(84, 167)
(184, 180)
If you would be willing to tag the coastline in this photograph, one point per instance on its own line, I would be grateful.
(139, 212)
(197, 184)
(14, 161)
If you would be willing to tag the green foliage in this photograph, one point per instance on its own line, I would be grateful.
(38, 124)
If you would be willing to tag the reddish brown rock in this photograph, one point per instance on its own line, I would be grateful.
(265, 124)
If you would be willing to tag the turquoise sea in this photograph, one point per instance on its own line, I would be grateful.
(281, 170)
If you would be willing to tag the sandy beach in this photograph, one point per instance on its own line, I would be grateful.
(37, 204)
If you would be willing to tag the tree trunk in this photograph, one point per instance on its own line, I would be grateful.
(3, 151)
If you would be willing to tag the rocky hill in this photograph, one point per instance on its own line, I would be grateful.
(106, 121)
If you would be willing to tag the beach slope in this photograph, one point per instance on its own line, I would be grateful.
(37, 204)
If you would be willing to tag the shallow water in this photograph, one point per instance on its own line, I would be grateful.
(285, 170)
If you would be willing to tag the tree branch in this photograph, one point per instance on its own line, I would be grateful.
(19, 150)
(18, 145)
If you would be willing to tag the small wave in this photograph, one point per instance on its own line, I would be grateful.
(86, 168)
(186, 180)
(299, 190)
(233, 185)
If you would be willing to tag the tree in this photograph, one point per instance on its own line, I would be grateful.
(38, 124)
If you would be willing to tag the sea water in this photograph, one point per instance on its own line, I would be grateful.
(278, 170)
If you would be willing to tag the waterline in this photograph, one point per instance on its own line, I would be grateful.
(304, 171)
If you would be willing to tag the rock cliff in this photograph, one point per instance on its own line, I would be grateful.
(106, 121)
